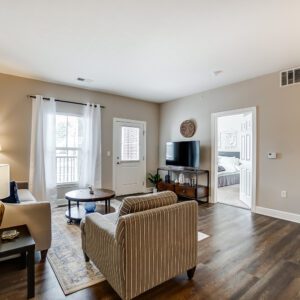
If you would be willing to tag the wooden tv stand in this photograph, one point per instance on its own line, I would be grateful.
(199, 192)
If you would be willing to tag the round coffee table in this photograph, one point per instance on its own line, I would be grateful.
(83, 195)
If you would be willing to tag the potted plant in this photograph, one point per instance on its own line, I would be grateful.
(154, 179)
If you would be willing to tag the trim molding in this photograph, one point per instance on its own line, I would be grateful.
(214, 154)
(279, 214)
(61, 202)
(148, 190)
(114, 151)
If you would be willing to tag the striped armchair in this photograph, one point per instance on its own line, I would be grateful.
(153, 239)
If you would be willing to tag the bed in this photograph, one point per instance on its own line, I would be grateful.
(228, 168)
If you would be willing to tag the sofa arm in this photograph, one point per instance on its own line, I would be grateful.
(37, 217)
(100, 245)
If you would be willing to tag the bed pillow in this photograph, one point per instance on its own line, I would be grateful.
(229, 163)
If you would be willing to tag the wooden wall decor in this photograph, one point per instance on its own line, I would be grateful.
(188, 128)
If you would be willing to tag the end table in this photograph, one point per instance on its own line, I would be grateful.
(24, 245)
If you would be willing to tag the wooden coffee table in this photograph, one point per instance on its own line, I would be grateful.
(83, 195)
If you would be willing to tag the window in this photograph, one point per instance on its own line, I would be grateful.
(68, 140)
(130, 148)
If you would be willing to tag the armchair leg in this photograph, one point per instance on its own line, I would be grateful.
(44, 255)
(191, 272)
(86, 258)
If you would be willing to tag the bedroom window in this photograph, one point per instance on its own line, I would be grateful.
(68, 139)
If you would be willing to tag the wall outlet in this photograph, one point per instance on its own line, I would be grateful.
(283, 194)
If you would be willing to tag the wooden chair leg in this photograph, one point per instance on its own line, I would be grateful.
(86, 258)
(44, 255)
(191, 272)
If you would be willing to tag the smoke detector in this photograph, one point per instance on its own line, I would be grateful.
(217, 72)
(81, 79)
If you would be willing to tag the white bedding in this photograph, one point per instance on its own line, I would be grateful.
(224, 173)
(231, 164)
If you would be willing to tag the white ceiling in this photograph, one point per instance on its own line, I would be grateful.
(155, 50)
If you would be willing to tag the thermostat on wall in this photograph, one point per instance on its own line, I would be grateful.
(272, 155)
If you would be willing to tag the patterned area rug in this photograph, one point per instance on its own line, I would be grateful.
(66, 257)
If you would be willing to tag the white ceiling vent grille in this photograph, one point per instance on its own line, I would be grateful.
(289, 77)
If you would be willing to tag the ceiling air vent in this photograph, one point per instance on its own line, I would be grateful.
(289, 77)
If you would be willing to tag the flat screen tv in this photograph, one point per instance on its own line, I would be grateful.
(183, 154)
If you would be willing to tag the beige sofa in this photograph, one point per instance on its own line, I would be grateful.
(152, 239)
(36, 215)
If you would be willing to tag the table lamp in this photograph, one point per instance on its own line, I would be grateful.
(4, 181)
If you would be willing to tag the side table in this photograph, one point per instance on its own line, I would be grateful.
(24, 245)
(83, 195)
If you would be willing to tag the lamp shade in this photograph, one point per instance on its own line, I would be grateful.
(4, 181)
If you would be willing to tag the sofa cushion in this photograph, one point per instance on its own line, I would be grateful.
(134, 204)
(25, 196)
(13, 197)
(112, 218)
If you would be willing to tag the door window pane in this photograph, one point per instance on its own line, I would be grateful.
(130, 143)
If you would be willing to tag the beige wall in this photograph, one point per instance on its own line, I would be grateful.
(278, 114)
(15, 121)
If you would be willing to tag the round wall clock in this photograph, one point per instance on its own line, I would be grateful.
(188, 128)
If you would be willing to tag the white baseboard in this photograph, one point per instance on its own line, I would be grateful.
(148, 190)
(279, 214)
(61, 202)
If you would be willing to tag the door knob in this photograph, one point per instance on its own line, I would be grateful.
(118, 163)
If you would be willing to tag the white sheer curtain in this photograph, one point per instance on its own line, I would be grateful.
(42, 175)
(90, 158)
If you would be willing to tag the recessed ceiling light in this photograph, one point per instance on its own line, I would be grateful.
(218, 72)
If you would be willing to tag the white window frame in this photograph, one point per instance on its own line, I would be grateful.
(71, 183)
(139, 152)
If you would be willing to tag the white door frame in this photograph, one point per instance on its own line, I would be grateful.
(214, 150)
(114, 160)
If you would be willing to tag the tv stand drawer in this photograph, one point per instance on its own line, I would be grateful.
(187, 191)
(165, 186)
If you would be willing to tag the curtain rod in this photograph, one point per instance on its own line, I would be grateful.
(63, 101)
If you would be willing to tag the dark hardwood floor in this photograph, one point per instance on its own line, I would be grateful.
(248, 256)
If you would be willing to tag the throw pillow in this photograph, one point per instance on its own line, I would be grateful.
(13, 197)
(221, 169)
(2, 209)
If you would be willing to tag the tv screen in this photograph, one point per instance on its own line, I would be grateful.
(183, 154)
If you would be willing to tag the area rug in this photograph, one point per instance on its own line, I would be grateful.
(66, 257)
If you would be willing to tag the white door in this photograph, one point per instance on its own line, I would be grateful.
(246, 160)
(129, 157)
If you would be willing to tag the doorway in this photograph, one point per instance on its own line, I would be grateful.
(129, 156)
(234, 157)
